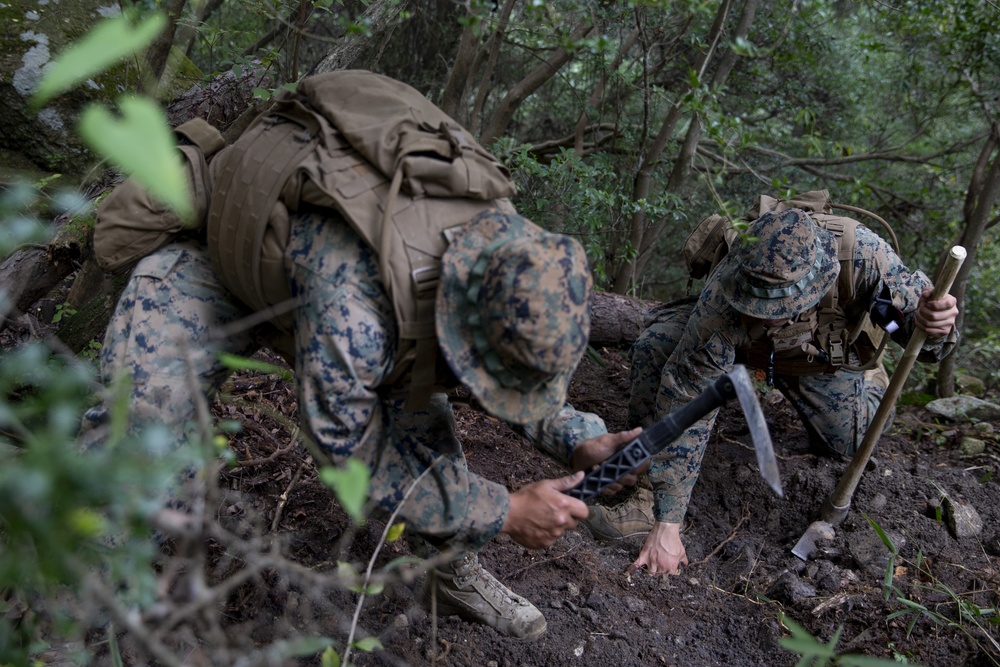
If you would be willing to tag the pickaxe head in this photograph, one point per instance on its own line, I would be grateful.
(735, 384)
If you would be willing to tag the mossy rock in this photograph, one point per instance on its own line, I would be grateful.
(32, 34)
(969, 385)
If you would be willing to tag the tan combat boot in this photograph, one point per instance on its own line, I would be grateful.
(463, 588)
(630, 518)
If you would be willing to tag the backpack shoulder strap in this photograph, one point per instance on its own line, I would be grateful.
(845, 231)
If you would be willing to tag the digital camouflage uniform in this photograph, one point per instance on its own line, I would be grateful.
(687, 345)
(383, 235)
(164, 333)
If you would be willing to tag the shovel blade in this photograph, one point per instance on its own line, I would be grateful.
(817, 530)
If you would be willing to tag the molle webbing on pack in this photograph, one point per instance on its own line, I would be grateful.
(245, 207)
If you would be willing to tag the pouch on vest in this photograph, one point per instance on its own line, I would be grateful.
(132, 224)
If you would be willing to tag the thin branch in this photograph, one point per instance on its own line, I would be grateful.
(378, 548)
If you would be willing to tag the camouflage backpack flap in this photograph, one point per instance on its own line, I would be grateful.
(131, 223)
(398, 130)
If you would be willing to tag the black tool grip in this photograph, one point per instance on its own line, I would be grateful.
(653, 440)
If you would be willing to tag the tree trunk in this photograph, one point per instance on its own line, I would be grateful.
(644, 233)
(29, 274)
(159, 51)
(984, 189)
(616, 320)
(530, 83)
(381, 17)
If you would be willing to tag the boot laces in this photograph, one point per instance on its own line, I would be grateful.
(469, 569)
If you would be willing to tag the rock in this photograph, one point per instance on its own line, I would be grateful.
(869, 552)
(416, 614)
(983, 428)
(970, 385)
(962, 520)
(877, 502)
(572, 589)
(824, 573)
(633, 604)
(597, 601)
(964, 408)
(789, 589)
(972, 446)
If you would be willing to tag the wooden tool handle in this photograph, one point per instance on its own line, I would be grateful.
(836, 506)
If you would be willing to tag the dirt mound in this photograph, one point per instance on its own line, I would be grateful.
(728, 606)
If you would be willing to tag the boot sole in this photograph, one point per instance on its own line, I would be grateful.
(617, 538)
(444, 609)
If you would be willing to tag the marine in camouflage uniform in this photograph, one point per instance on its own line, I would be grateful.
(512, 318)
(759, 288)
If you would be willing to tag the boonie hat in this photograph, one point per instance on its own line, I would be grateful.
(785, 272)
(513, 314)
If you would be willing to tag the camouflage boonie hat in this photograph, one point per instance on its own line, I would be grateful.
(785, 272)
(513, 314)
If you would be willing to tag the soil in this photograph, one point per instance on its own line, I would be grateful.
(728, 607)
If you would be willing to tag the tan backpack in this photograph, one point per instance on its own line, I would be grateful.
(368, 147)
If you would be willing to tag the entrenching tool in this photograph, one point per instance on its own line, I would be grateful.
(835, 508)
(735, 384)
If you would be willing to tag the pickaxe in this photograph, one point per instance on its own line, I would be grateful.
(735, 384)
(835, 508)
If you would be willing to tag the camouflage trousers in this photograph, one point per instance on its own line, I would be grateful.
(175, 318)
(835, 408)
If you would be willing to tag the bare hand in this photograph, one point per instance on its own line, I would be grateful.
(590, 453)
(936, 318)
(662, 552)
(541, 513)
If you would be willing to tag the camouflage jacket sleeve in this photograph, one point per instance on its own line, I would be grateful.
(876, 265)
(706, 350)
(559, 434)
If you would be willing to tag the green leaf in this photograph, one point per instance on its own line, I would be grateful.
(395, 532)
(375, 588)
(142, 145)
(238, 363)
(109, 42)
(890, 571)
(911, 604)
(350, 485)
(886, 540)
(347, 573)
(368, 644)
(330, 658)
(300, 647)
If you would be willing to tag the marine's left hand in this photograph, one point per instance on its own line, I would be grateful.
(936, 318)
(590, 453)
